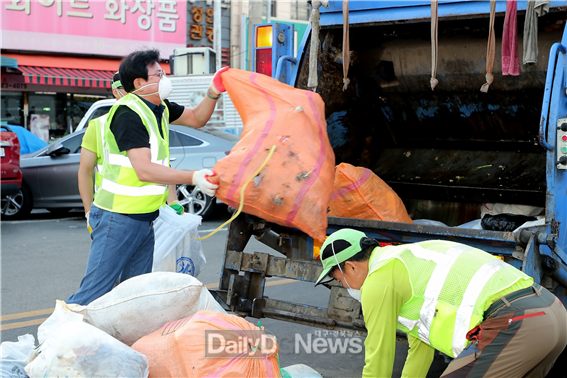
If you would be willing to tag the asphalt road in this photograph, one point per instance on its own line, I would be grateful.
(43, 258)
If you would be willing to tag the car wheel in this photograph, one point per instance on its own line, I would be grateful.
(18, 205)
(194, 201)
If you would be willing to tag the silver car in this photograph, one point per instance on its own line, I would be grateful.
(50, 174)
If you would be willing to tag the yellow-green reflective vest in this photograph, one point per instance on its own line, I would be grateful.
(120, 190)
(451, 284)
(97, 124)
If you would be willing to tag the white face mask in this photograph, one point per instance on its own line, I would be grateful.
(352, 292)
(165, 88)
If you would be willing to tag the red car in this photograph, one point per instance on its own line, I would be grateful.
(10, 175)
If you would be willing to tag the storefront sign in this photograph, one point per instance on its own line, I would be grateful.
(196, 32)
(200, 23)
(101, 27)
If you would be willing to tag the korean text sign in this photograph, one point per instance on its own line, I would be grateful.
(101, 27)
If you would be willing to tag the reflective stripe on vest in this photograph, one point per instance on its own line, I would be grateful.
(131, 191)
(124, 161)
(98, 124)
(444, 264)
(465, 310)
(446, 295)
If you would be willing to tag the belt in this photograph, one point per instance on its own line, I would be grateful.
(514, 296)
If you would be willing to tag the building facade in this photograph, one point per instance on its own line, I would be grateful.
(59, 56)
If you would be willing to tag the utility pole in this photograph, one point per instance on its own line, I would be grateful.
(269, 11)
(217, 35)
(254, 17)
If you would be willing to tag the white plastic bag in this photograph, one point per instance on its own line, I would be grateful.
(77, 349)
(429, 222)
(506, 208)
(299, 371)
(143, 304)
(536, 223)
(473, 225)
(61, 315)
(176, 249)
(15, 356)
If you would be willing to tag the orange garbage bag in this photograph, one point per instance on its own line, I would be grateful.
(210, 344)
(294, 188)
(359, 193)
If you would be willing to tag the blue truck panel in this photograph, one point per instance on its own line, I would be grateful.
(364, 12)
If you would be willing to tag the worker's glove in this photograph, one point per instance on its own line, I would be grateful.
(216, 84)
(177, 207)
(88, 224)
(200, 179)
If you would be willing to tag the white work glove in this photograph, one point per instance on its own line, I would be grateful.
(88, 224)
(200, 180)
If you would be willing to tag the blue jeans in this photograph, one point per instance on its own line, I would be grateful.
(122, 247)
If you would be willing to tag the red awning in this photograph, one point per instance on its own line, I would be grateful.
(66, 76)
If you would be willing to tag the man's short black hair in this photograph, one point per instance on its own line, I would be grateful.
(135, 66)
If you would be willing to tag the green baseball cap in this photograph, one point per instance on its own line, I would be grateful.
(345, 243)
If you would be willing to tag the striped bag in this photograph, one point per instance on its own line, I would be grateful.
(294, 188)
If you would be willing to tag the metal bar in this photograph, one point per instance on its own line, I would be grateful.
(302, 270)
(237, 237)
(305, 314)
(300, 53)
(280, 65)
(294, 316)
(544, 120)
(560, 275)
(489, 241)
(271, 239)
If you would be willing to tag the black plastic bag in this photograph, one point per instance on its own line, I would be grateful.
(504, 222)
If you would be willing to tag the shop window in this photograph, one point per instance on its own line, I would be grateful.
(12, 108)
(43, 114)
(300, 10)
(265, 8)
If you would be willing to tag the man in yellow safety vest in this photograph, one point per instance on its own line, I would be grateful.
(92, 158)
(136, 172)
(489, 316)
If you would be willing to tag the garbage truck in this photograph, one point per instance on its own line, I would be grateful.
(446, 152)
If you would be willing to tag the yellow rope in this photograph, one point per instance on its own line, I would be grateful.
(242, 195)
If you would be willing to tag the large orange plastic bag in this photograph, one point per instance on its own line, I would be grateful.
(294, 188)
(143, 304)
(210, 344)
(359, 193)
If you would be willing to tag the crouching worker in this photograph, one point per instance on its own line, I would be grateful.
(489, 316)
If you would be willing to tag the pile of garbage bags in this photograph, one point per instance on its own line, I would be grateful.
(150, 325)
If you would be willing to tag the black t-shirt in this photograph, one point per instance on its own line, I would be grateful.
(129, 132)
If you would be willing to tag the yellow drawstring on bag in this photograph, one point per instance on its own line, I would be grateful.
(272, 149)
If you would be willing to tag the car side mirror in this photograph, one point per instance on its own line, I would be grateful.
(58, 150)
